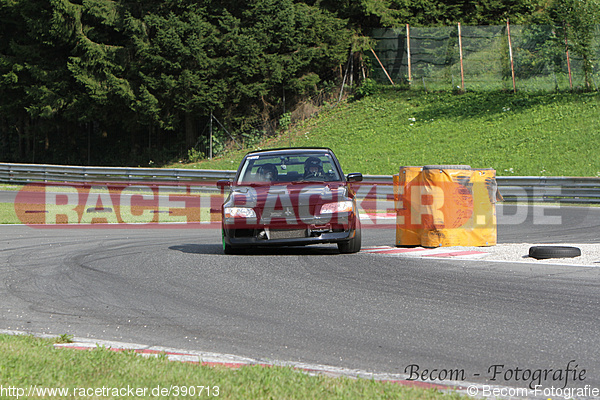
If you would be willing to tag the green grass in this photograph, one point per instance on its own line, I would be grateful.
(10, 187)
(7, 214)
(27, 360)
(523, 134)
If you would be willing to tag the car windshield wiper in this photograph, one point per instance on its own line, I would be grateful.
(253, 184)
(310, 180)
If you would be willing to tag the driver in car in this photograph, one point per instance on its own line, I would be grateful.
(313, 167)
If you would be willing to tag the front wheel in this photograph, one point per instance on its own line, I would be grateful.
(353, 245)
(227, 248)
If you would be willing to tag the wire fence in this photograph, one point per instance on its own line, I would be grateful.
(483, 58)
(477, 58)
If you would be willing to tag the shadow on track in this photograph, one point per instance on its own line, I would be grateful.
(195, 248)
(198, 248)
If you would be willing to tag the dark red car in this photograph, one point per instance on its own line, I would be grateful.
(290, 197)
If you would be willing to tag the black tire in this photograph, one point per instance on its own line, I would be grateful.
(545, 252)
(229, 249)
(353, 245)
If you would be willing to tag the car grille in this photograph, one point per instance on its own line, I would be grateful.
(287, 233)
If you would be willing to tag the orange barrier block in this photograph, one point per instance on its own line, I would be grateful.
(446, 205)
(483, 225)
(407, 185)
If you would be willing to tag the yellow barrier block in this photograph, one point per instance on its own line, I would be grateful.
(408, 226)
(484, 222)
(445, 205)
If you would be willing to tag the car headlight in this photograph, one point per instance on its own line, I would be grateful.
(340, 206)
(245, 212)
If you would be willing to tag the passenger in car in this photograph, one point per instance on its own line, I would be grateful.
(267, 173)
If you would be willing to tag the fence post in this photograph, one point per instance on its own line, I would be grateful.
(510, 53)
(381, 64)
(408, 54)
(568, 60)
(210, 130)
(462, 73)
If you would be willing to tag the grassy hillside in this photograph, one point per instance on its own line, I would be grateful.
(554, 134)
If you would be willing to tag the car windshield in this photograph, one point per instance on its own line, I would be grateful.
(267, 168)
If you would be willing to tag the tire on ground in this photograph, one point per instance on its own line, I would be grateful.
(354, 244)
(545, 252)
(229, 249)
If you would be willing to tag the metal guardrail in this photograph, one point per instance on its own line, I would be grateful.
(513, 188)
(24, 173)
(549, 189)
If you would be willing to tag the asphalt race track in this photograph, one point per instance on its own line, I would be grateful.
(174, 287)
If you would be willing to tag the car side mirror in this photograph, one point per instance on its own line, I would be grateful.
(354, 177)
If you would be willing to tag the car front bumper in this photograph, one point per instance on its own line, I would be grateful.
(257, 238)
